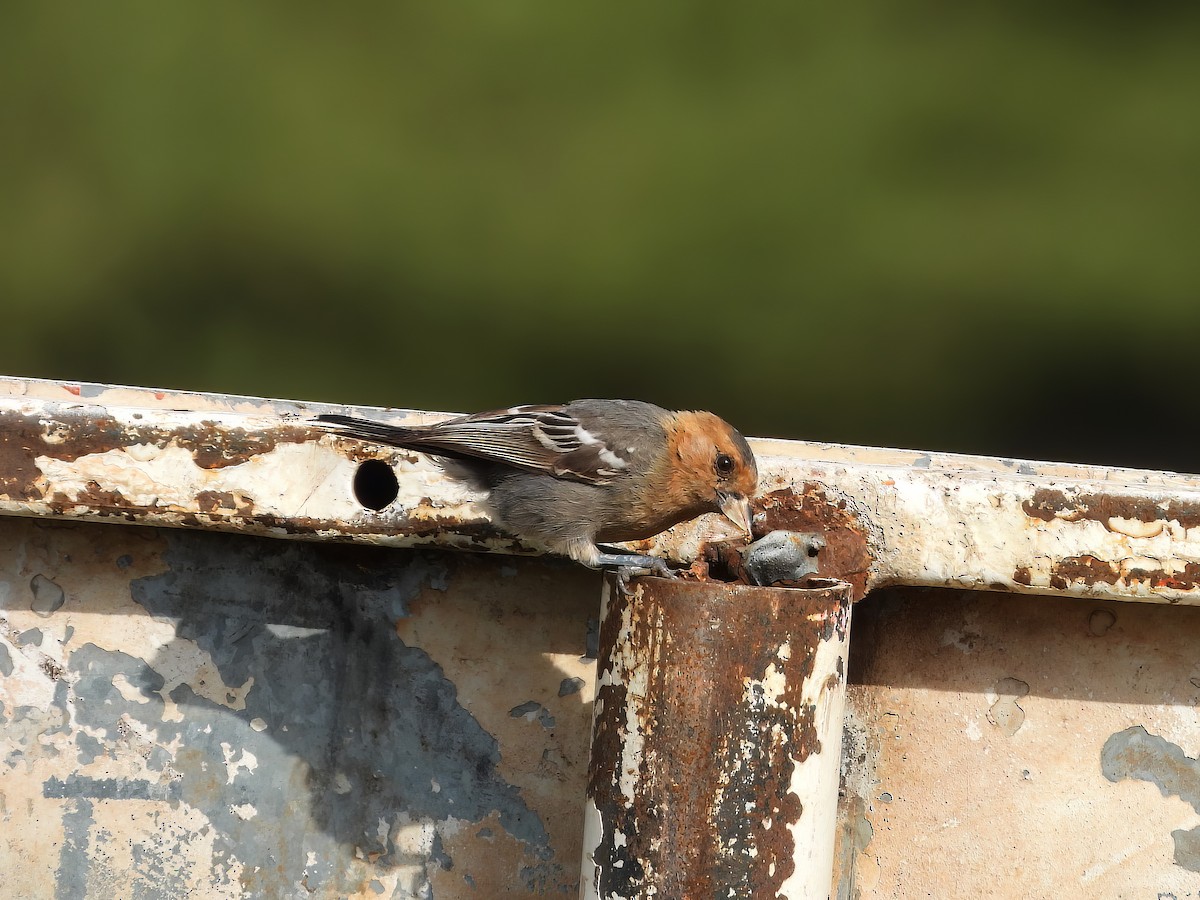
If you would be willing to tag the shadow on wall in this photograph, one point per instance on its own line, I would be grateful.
(1115, 673)
(1106, 651)
(322, 748)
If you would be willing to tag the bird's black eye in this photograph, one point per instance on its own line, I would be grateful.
(724, 465)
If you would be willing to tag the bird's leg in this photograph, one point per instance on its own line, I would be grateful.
(628, 565)
(641, 565)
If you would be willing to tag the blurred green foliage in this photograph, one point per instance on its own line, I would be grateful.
(966, 227)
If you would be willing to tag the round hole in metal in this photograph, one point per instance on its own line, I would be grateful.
(375, 484)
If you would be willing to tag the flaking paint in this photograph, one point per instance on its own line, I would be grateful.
(992, 750)
(215, 715)
(716, 736)
(893, 517)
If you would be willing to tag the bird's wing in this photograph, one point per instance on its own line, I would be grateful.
(537, 438)
(541, 438)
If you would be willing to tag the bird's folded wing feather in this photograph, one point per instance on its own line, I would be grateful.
(538, 438)
(542, 438)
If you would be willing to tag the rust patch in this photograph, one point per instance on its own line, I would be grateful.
(846, 555)
(1083, 570)
(23, 438)
(712, 802)
(224, 503)
(20, 478)
(1022, 575)
(1089, 570)
(1049, 504)
(1187, 580)
(50, 668)
(212, 510)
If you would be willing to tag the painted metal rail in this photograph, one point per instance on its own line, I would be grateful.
(891, 517)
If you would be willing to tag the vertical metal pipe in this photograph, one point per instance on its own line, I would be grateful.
(716, 741)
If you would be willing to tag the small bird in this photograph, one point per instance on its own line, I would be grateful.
(571, 476)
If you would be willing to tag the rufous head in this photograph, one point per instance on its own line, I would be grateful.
(715, 465)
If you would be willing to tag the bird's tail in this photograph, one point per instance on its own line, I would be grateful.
(366, 430)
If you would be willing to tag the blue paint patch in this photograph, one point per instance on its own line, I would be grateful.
(59, 719)
(157, 879)
(73, 857)
(6, 663)
(90, 749)
(32, 636)
(569, 686)
(29, 723)
(531, 709)
(359, 724)
(438, 854)
(1135, 753)
(48, 596)
(109, 789)
(591, 641)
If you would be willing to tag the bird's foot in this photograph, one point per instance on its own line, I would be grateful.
(630, 565)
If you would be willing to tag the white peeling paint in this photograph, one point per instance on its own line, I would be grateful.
(815, 780)
(245, 760)
(168, 477)
(972, 730)
(129, 692)
(244, 811)
(593, 836)
(964, 524)
(933, 519)
(176, 659)
(637, 681)
(774, 682)
(290, 632)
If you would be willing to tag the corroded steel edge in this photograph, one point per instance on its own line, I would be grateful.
(103, 453)
(716, 741)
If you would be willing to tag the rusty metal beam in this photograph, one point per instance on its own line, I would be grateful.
(716, 741)
(104, 453)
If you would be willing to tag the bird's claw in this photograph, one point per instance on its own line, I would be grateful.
(630, 565)
(658, 567)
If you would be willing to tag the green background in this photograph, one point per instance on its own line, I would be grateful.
(946, 226)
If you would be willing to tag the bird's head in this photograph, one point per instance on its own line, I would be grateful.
(715, 466)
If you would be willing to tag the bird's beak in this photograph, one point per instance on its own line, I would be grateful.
(736, 509)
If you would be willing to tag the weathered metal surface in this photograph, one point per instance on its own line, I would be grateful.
(253, 473)
(890, 516)
(208, 715)
(193, 714)
(1015, 747)
(954, 521)
(716, 741)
